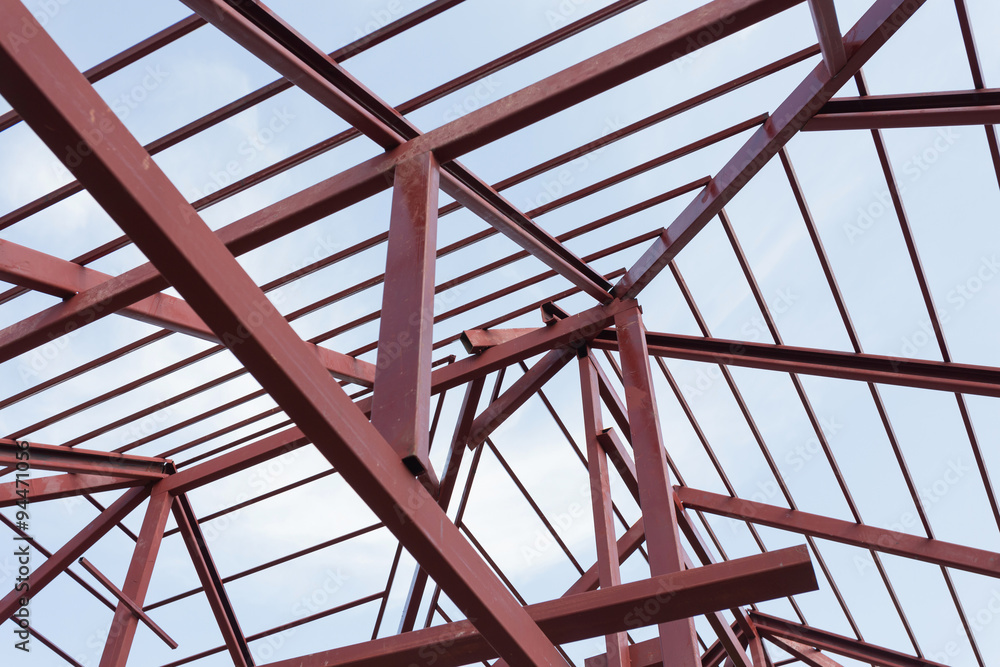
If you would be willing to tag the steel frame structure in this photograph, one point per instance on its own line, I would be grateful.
(373, 412)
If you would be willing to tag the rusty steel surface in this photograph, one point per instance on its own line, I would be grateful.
(301, 399)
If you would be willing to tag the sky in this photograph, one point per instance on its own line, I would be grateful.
(949, 191)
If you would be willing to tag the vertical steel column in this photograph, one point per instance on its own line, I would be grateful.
(140, 571)
(600, 494)
(677, 638)
(402, 395)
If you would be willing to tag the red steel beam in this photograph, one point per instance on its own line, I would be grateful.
(64, 557)
(942, 376)
(517, 395)
(824, 16)
(64, 111)
(872, 30)
(677, 638)
(846, 532)
(594, 613)
(600, 493)
(771, 626)
(402, 395)
(62, 459)
(140, 571)
(985, 97)
(807, 654)
(211, 582)
(879, 120)
(64, 486)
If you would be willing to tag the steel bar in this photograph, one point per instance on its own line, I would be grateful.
(168, 230)
(211, 582)
(128, 602)
(872, 30)
(594, 613)
(677, 638)
(770, 626)
(402, 394)
(860, 535)
(140, 572)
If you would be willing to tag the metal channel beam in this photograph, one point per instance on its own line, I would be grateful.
(938, 375)
(63, 459)
(771, 626)
(937, 552)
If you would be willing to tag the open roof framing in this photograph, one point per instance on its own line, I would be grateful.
(608, 333)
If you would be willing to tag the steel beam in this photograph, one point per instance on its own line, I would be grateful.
(771, 626)
(526, 386)
(463, 426)
(881, 120)
(401, 399)
(871, 31)
(927, 550)
(591, 614)
(824, 16)
(807, 654)
(64, 486)
(938, 375)
(63, 459)
(600, 494)
(211, 582)
(677, 638)
(64, 557)
(66, 113)
(958, 99)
